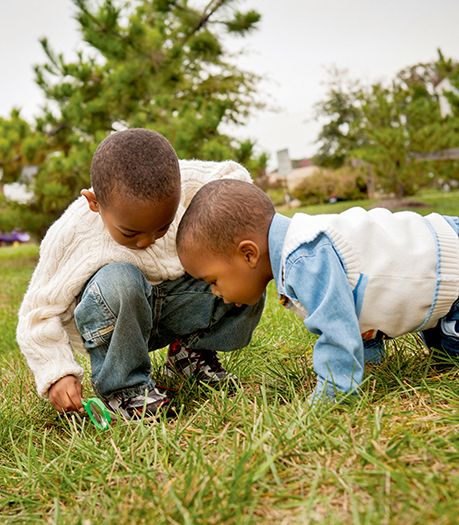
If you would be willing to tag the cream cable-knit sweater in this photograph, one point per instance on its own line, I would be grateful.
(74, 248)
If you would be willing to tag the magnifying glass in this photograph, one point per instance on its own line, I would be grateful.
(98, 413)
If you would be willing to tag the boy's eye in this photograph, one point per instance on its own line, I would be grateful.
(164, 228)
(129, 236)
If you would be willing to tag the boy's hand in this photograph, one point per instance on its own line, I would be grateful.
(65, 394)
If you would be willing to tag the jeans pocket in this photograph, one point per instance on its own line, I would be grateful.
(94, 318)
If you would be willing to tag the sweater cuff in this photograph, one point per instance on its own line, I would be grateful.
(46, 377)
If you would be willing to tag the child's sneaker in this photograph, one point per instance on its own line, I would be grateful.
(443, 342)
(202, 365)
(147, 405)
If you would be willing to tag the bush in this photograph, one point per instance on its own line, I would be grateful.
(9, 216)
(344, 184)
(277, 195)
(16, 216)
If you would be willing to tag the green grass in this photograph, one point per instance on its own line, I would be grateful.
(256, 455)
(446, 203)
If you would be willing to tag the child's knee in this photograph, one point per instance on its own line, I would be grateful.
(119, 275)
(111, 287)
(119, 283)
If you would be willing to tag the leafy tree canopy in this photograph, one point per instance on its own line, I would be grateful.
(384, 126)
(158, 64)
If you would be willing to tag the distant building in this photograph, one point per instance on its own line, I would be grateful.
(291, 172)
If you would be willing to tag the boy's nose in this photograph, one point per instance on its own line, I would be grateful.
(145, 242)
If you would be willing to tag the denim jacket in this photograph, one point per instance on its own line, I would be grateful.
(314, 283)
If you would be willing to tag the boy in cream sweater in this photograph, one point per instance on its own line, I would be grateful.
(109, 276)
(355, 278)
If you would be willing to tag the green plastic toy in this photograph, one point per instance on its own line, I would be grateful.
(98, 413)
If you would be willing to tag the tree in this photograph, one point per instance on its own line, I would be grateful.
(339, 111)
(387, 124)
(20, 146)
(158, 64)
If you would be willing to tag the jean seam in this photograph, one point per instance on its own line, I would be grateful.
(99, 335)
(156, 309)
(159, 292)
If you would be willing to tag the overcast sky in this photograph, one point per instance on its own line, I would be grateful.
(297, 42)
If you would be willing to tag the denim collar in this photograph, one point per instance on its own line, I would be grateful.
(277, 232)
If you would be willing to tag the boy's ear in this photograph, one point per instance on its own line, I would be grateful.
(250, 251)
(92, 201)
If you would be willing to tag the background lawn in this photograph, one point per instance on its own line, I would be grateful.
(254, 454)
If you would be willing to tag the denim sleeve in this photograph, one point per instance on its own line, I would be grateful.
(316, 278)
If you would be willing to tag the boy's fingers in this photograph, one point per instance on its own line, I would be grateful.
(58, 406)
(54, 400)
(74, 400)
(68, 402)
(65, 395)
(80, 390)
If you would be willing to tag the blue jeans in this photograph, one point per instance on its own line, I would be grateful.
(374, 350)
(445, 336)
(121, 317)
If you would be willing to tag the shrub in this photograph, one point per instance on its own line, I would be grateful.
(342, 184)
(277, 195)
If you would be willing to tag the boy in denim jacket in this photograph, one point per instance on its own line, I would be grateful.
(355, 278)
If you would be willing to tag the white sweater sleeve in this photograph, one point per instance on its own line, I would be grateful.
(196, 173)
(57, 279)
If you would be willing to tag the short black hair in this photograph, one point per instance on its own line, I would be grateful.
(221, 213)
(140, 161)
